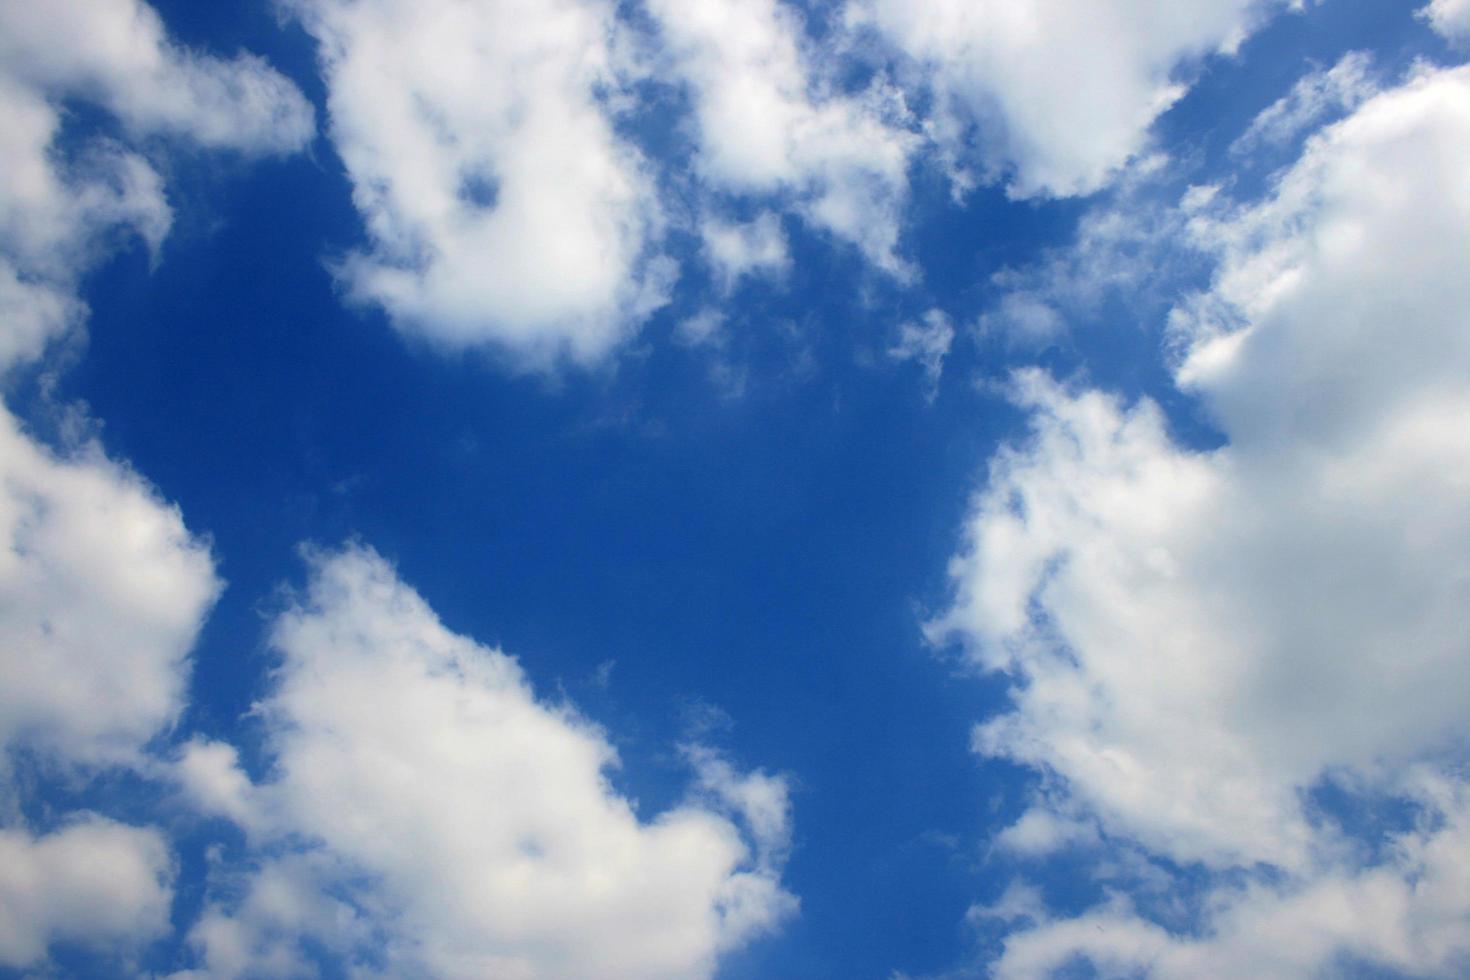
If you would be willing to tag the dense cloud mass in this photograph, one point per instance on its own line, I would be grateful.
(470, 826)
(1203, 637)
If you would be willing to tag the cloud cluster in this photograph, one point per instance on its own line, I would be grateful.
(1203, 638)
(462, 826)
(425, 813)
(102, 588)
(1055, 96)
(492, 152)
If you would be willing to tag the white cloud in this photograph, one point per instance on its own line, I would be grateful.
(738, 249)
(271, 907)
(469, 823)
(57, 212)
(33, 313)
(1201, 637)
(927, 344)
(1314, 97)
(1041, 830)
(769, 123)
(502, 207)
(115, 53)
(1409, 913)
(1060, 94)
(1024, 317)
(93, 882)
(55, 220)
(704, 329)
(1129, 251)
(1450, 18)
(102, 591)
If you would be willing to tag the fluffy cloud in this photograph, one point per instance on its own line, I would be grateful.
(769, 123)
(1200, 638)
(1451, 18)
(93, 881)
(465, 828)
(102, 590)
(1059, 93)
(57, 210)
(502, 206)
(55, 219)
(33, 314)
(116, 55)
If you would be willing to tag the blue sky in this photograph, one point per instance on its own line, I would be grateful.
(734, 489)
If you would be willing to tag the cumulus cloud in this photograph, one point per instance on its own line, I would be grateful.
(769, 122)
(1450, 18)
(102, 594)
(1201, 638)
(501, 205)
(93, 881)
(1041, 830)
(1057, 95)
(102, 591)
(462, 826)
(33, 313)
